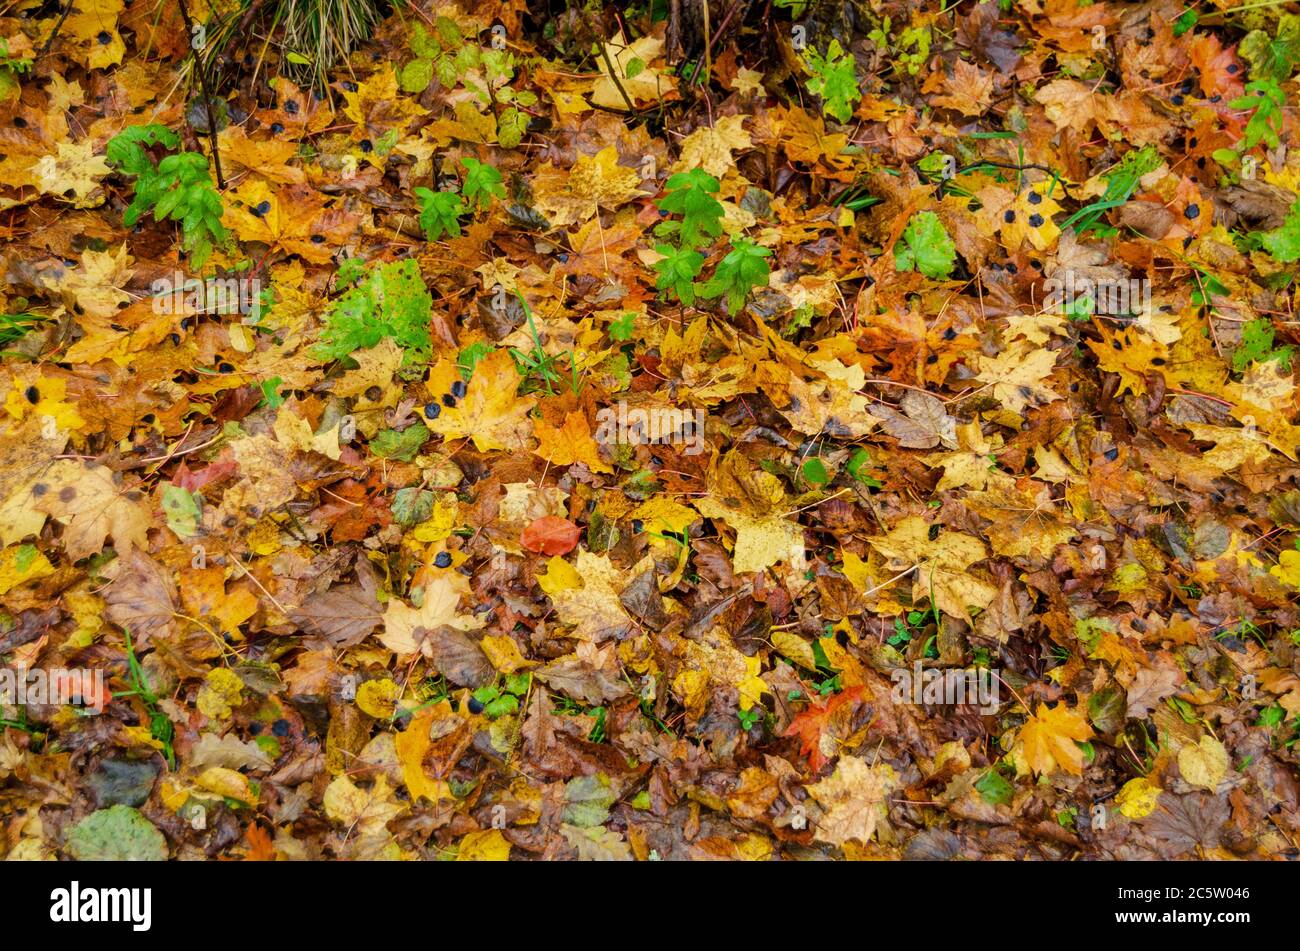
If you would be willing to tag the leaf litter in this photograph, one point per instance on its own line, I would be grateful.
(561, 436)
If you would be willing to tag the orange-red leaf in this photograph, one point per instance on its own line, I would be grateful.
(813, 722)
(550, 535)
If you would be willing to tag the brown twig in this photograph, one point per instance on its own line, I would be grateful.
(201, 68)
(67, 8)
(613, 74)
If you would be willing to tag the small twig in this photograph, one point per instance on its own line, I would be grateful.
(613, 74)
(722, 27)
(200, 67)
(708, 45)
(67, 8)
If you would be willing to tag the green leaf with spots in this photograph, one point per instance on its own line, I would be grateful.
(116, 834)
(182, 511)
(412, 505)
(994, 789)
(587, 800)
(926, 247)
(404, 445)
(1283, 242)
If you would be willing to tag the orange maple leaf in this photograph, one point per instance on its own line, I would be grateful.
(260, 846)
(810, 724)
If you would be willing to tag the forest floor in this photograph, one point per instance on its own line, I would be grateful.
(869, 433)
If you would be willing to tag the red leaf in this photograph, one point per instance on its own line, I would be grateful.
(220, 469)
(551, 535)
(810, 725)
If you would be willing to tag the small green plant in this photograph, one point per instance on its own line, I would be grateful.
(442, 53)
(161, 727)
(482, 183)
(1283, 242)
(621, 329)
(678, 269)
(537, 364)
(926, 247)
(1266, 100)
(1121, 182)
(388, 301)
(834, 79)
(748, 718)
(563, 706)
(743, 269)
(439, 213)
(179, 187)
(498, 700)
(690, 194)
(909, 52)
(446, 55)
(11, 67)
(1257, 346)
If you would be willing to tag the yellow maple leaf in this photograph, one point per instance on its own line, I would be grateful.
(20, 564)
(49, 393)
(970, 90)
(288, 217)
(377, 108)
(942, 564)
(661, 515)
(1049, 740)
(592, 609)
(1129, 354)
(761, 541)
(411, 745)
(94, 288)
(91, 506)
(92, 24)
(440, 606)
(1233, 446)
(633, 73)
(489, 412)
(747, 80)
(594, 182)
(570, 443)
(853, 798)
(1288, 568)
(268, 158)
(1016, 375)
(73, 174)
(711, 147)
